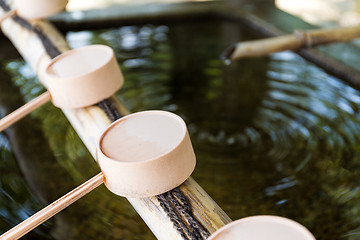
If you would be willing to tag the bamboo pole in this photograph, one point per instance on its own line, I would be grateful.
(333, 66)
(300, 39)
(23, 111)
(90, 122)
(38, 218)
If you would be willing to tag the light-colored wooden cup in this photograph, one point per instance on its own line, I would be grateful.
(83, 76)
(77, 78)
(145, 154)
(39, 9)
(263, 228)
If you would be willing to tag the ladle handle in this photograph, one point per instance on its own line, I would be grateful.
(52, 209)
(7, 15)
(21, 112)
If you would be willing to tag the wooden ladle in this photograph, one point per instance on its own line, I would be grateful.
(77, 78)
(140, 155)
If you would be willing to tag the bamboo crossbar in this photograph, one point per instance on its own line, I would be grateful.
(90, 122)
(300, 39)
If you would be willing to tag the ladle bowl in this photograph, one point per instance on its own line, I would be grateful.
(83, 76)
(77, 78)
(263, 228)
(39, 9)
(146, 154)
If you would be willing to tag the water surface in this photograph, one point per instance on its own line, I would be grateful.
(273, 135)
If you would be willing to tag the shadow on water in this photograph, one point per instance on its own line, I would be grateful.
(272, 135)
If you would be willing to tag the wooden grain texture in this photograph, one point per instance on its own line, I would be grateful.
(90, 122)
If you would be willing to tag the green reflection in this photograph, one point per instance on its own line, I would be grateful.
(272, 135)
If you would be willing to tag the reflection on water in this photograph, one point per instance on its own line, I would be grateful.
(272, 135)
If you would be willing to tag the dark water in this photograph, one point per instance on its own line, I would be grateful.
(272, 135)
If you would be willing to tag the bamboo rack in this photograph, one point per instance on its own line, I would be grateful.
(300, 39)
(90, 122)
